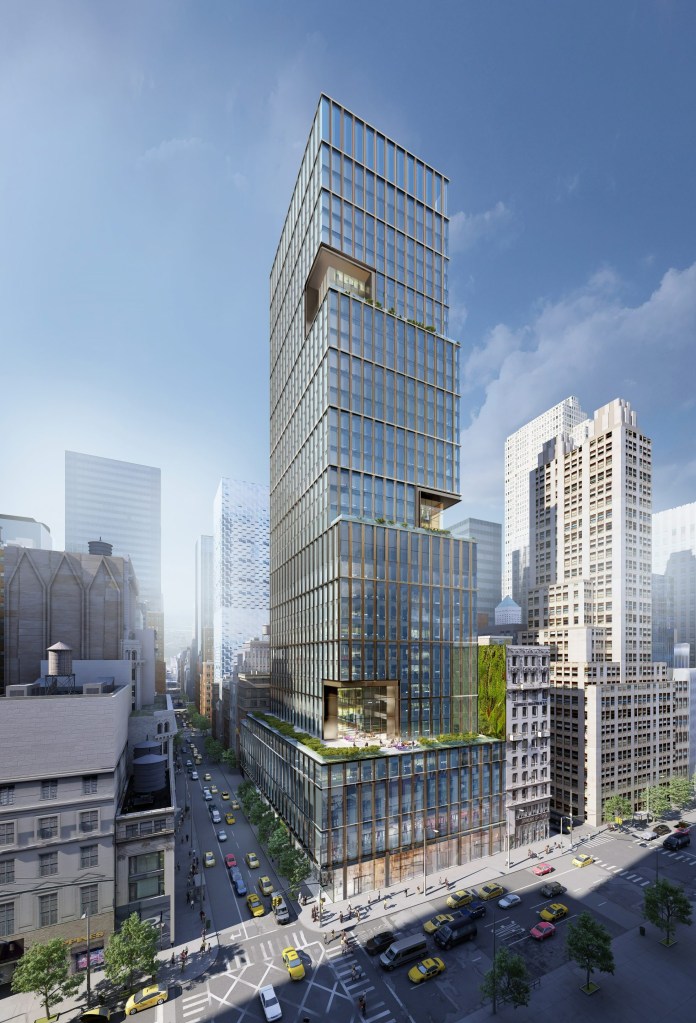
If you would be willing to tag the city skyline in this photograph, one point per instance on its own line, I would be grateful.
(141, 258)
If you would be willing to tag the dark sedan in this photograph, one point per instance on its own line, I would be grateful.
(379, 942)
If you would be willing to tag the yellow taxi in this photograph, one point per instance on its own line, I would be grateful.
(265, 885)
(252, 860)
(213, 789)
(293, 963)
(459, 898)
(207, 776)
(224, 795)
(230, 818)
(156, 994)
(209, 860)
(490, 891)
(425, 970)
(582, 860)
(235, 804)
(430, 926)
(553, 912)
(255, 905)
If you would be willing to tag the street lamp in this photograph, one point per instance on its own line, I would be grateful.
(88, 916)
(570, 822)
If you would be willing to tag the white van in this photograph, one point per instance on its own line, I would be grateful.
(403, 951)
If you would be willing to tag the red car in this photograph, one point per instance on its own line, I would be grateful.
(542, 930)
(230, 860)
(542, 868)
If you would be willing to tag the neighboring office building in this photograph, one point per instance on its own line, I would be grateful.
(241, 563)
(489, 563)
(618, 723)
(663, 619)
(528, 773)
(89, 601)
(372, 602)
(247, 688)
(58, 802)
(507, 612)
(521, 451)
(21, 531)
(122, 502)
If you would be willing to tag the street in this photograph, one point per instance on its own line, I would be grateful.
(249, 956)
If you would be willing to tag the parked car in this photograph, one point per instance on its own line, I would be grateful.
(662, 829)
(475, 910)
(544, 929)
(542, 868)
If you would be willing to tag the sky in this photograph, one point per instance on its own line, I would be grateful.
(148, 152)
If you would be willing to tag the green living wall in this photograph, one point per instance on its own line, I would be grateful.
(491, 691)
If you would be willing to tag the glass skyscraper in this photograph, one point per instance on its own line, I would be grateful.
(372, 601)
(121, 503)
(240, 570)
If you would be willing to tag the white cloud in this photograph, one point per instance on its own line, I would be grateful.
(589, 344)
(170, 149)
(466, 229)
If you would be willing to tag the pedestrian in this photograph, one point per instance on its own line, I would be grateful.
(354, 972)
(406, 890)
(178, 865)
(446, 882)
(341, 916)
(362, 1004)
(350, 911)
(202, 915)
(440, 881)
(187, 837)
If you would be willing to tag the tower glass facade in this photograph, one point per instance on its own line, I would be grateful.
(372, 601)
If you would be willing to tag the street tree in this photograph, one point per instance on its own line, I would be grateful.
(656, 801)
(507, 981)
(295, 866)
(267, 825)
(229, 758)
(44, 970)
(681, 792)
(589, 944)
(279, 840)
(256, 811)
(617, 807)
(131, 952)
(666, 905)
(200, 722)
(213, 748)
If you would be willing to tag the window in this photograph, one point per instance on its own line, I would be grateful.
(89, 900)
(48, 864)
(7, 924)
(48, 909)
(49, 789)
(89, 856)
(89, 820)
(7, 834)
(89, 784)
(6, 795)
(7, 874)
(48, 827)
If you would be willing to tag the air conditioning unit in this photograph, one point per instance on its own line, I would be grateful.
(17, 690)
(93, 688)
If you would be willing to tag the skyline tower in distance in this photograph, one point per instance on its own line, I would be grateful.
(120, 503)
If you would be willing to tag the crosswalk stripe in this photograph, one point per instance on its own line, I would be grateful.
(378, 1015)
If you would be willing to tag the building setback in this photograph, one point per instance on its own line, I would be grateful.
(372, 601)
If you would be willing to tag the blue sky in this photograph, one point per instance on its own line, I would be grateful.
(148, 154)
